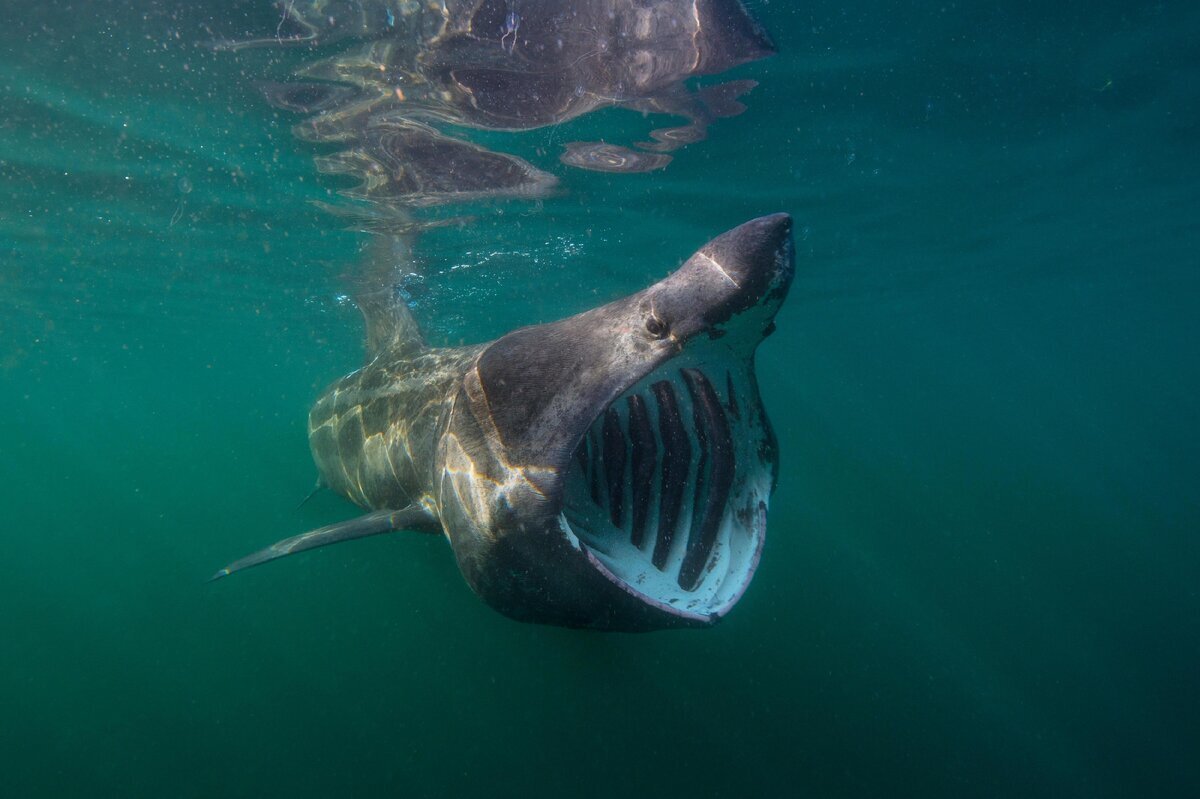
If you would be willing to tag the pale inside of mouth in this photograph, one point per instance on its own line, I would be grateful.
(667, 492)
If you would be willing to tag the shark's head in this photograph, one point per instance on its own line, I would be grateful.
(612, 470)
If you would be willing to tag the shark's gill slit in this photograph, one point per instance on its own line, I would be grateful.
(614, 465)
(677, 457)
(643, 468)
(732, 400)
(593, 445)
(716, 447)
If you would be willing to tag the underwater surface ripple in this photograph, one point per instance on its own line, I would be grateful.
(981, 567)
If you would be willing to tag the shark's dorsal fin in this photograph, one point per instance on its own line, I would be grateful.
(390, 325)
(414, 517)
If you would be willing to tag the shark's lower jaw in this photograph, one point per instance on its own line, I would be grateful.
(667, 492)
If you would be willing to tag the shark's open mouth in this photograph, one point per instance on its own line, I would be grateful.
(667, 491)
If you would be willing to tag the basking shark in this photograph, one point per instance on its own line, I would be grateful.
(611, 470)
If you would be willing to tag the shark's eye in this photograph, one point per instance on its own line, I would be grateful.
(656, 327)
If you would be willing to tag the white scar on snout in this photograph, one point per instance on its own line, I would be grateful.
(719, 268)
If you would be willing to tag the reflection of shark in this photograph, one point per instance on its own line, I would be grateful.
(610, 470)
(502, 65)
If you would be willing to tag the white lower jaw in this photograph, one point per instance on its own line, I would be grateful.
(727, 575)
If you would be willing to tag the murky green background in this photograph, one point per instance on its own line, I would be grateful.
(982, 568)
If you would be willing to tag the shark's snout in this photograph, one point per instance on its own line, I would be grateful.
(746, 270)
(750, 251)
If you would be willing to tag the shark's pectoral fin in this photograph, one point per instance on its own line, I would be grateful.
(414, 517)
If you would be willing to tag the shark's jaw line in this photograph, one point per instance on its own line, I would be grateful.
(667, 492)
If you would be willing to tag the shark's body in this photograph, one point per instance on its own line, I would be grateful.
(611, 470)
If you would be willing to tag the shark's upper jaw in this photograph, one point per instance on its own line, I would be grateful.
(667, 493)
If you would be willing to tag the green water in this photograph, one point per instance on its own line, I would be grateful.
(981, 569)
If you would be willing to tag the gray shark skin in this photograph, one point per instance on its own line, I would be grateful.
(611, 470)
